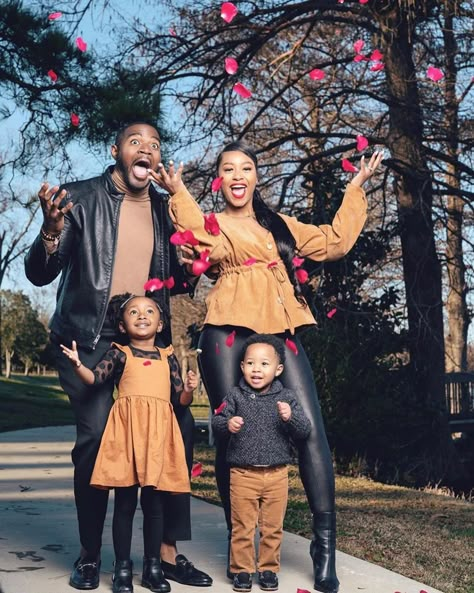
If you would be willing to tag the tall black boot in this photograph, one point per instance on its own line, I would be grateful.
(323, 552)
(153, 577)
(122, 579)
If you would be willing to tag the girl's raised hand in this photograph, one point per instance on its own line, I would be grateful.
(191, 381)
(367, 170)
(72, 353)
(170, 180)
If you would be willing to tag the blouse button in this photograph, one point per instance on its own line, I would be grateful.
(279, 301)
(269, 245)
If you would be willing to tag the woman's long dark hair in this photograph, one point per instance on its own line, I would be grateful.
(266, 217)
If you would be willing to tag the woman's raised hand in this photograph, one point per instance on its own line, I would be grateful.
(170, 180)
(53, 214)
(367, 170)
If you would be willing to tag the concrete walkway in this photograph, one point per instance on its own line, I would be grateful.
(39, 543)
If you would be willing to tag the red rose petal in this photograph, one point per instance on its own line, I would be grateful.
(358, 45)
(272, 264)
(317, 74)
(306, 590)
(363, 1)
(348, 166)
(81, 44)
(153, 284)
(377, 67)
(231, 66)
(200, 266)
(147, 363)
(216, 183)
(434, 74)
(359, 58)
(362, 142)
(54, 16)
(211, 225)
(229, 341)
(291, 345)
(302, 275)
(220, 408)
(241, 90)
(197, 470)
(376, 56)
(297, 261)
(52, 74)
(330, 314)
(172, 32)
(169, 283)
(228, 11)
(183, 237)
(250, 261)
(74, 119)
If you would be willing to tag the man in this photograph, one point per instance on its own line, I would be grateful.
(109, 235)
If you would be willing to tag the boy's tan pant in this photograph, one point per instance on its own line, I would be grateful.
(258, 495)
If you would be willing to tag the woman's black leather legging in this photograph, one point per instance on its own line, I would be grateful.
(220, 369)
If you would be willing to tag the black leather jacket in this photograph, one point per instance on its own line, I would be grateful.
(85, 257)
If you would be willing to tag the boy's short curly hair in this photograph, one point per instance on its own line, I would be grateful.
(117, 306)
(269, 339)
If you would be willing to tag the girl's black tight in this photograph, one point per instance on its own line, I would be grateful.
(220, 370)
(124, 511)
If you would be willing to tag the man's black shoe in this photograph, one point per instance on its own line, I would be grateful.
(184, 572)
(242, 582)
(85, 574)
(268, 580)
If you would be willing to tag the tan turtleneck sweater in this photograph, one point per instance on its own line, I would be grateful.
(134, 241)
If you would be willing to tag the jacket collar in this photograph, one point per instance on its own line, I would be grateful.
(275, 387)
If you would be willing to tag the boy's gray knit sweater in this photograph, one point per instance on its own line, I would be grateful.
(264, 438)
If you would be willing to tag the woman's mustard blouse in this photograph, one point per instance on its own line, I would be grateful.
(258, 294)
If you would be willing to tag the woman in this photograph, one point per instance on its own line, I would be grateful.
(257, 290)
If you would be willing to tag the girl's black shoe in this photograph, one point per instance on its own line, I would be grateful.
(153, 577)
(122, 579)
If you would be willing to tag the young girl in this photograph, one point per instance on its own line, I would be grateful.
(142, 444)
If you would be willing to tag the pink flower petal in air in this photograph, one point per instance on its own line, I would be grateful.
(52, 74)
(147, 363)
(216, 183)
(348, 166)
(291, 345)
(376, 56)
(202, 264)
(297, 261)
(54, 16)
(218, 351)
(183, 237)
(172, 32)
(250, 261)
(272, 264)
(231, 66)
(362, 142)
(81, 44)
(359, 58)
(331, 313)
(363, 1)
(434, 74)
(377, 67)
(317, 74)
(169, 283)
(302, 275)
(241, 90)
(74, 119)
(229, 341)
(211, 225)
(305, 590)
(153, 284)
(358, 45)
(220, 408)
(197, 470)
(228, 11)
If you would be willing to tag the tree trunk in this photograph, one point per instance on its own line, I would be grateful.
(421, 267)
(8, 363)
(456, 305)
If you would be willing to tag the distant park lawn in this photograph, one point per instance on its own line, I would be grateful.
(425, 535)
